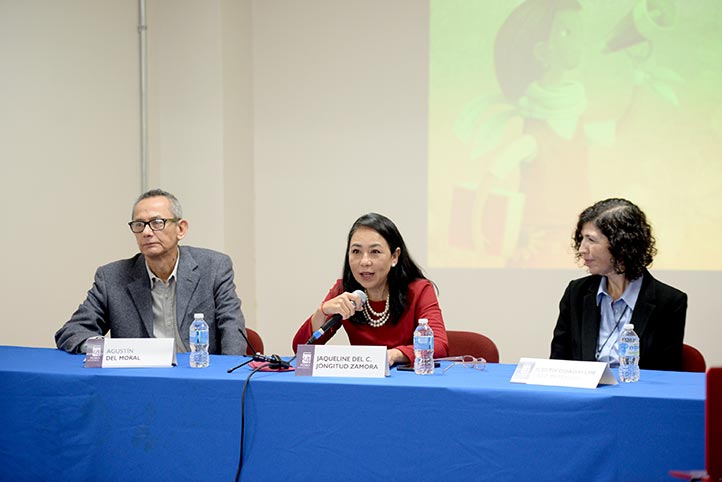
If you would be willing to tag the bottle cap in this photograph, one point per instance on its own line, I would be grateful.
(197, 316)
(628, 326)
(423, 320)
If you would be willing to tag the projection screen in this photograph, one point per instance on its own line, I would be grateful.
(539, 108)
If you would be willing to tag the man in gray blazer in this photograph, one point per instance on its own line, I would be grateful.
(155, 293)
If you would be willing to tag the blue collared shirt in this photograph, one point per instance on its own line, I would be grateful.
(614, 316)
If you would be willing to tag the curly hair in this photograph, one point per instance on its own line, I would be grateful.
(399, 278)
(631, 242)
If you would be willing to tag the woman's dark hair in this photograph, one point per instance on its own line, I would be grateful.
(631, 242)
(400, 276)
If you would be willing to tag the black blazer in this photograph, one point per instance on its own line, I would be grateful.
(658, 318)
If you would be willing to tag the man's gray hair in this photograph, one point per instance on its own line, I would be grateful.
(175, 206)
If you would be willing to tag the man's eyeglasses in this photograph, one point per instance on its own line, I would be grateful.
(157, 224)
(466, 361)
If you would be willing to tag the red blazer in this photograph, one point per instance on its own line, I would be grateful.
(421, 302)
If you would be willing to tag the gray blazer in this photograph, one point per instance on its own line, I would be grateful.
(120, 302)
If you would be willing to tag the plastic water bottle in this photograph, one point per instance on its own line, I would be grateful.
(628, 355)
(424, 348)
(199, 342)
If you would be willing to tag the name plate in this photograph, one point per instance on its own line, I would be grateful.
(357, 361)
(130, 352)
(563, 373)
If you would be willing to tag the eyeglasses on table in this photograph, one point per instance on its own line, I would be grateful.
(467, 361)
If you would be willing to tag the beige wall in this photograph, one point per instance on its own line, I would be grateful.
(201, 124)
(69, 151)
(277, 123)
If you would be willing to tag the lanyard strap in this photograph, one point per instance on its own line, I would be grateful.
(616, 327)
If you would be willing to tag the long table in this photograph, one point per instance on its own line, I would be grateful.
(60, 421)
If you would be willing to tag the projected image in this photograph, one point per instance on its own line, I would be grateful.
(539, 108)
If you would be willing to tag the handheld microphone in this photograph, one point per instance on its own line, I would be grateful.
(335, 320)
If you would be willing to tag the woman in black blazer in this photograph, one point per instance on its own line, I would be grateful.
(615, 242)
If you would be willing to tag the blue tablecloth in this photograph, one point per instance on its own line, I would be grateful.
(61, 421)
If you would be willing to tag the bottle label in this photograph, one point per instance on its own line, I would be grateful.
(424, 343)
(628, 349)
(199, 337)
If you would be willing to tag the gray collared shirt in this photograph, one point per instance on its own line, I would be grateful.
(614, 315)
(165, 324)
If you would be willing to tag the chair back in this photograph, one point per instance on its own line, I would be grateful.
(255, 339)
(713, 424)
(692, 359)
(712, 433)
(472, 343)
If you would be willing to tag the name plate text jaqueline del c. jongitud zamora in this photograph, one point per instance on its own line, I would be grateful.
(359, 361)
(130, 352)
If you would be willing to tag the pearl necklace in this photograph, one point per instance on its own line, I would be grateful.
(381, 318)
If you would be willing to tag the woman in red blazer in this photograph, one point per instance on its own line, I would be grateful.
(377, 262)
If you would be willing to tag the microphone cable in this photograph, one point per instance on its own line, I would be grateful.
(243, 419)
(273, 362)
